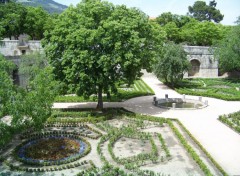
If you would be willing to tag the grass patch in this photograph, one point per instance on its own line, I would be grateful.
(139, 88)
(225, 89)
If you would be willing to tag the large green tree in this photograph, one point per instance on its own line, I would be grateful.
(35, 22)
(201, 33)
(172, 64)
(96, 44)
(203, 12)
(167, 17)
(12, 17)
(228, 51)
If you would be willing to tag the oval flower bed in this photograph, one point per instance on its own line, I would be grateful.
(52, 150)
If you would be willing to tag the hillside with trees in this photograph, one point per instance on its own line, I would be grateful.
(48, 5)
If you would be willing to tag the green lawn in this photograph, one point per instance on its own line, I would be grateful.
(139, 88)
(225, 89)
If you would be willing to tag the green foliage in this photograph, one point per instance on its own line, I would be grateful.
(16, 19)
(232, 120)
(34, 23)
(95, 44)
(172, 64)
(203, 12)
(226, 89)
(6, 85)
(12, 17)
(31, 64)
(29, 107)
(106, 170)
(201, 33)
(179, 20)
(40, 98)
(187, 30)
(228, 51)
(172, 32)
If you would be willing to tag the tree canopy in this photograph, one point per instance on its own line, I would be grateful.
(12, 17)
(203, 12)
(35, 21)
(228, 51)
(188, 30)
(96, 44)
(172, 64)
(16, 19)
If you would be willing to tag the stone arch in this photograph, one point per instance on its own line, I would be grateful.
(195, 67)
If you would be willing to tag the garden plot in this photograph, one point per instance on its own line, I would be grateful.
(138, 145)
(134, 153)
(127, 147)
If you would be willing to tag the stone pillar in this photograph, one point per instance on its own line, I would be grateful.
(206, 102)
(200, 98)
(184, 97)
(173, 105)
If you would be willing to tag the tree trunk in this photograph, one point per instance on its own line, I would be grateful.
(100, 99)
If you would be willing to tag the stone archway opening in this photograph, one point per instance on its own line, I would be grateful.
(195, 68)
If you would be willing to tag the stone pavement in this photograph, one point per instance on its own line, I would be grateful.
(219, 140)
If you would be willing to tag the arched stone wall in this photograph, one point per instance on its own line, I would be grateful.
(208, 67)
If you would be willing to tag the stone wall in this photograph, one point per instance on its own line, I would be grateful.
(13, 49)
(208, 66)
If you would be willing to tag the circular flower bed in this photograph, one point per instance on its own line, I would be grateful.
(52, 150)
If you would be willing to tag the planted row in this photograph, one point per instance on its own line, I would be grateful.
(46, 169)
(232, 120)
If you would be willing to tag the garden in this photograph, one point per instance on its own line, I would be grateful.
(91, 142)
(221, 88)
(232, 120)
(125, 91)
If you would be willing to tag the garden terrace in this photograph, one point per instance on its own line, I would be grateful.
(127, 142)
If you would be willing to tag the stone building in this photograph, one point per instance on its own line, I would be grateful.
(13, 49)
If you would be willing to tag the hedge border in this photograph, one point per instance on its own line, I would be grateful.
(202, 148)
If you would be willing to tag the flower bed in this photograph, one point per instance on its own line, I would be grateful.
(52, 150)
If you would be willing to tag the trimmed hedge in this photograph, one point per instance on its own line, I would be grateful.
(232, 120)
